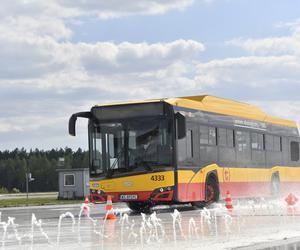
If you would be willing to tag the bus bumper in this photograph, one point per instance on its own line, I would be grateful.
(160, 194)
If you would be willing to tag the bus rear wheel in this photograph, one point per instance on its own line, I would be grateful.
(139, 206)
(275, 186)
(211, 193)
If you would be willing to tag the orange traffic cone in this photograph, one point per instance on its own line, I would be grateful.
(86, 207)
(228, 202)
(291, 201)
(86, 200)
(109, 209)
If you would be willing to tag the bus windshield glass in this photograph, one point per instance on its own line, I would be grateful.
(130, 145)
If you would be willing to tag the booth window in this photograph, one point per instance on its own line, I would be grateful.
(69, 180)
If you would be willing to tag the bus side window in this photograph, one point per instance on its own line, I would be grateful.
(204, 137)
(269, 142)
(230, 138)
(225, 137)
(294, 151)
(222, 137)
(257, 141)
(207, 135)
(242, 141)
(212, 136)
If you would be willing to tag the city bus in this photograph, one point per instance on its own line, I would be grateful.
(188, 150)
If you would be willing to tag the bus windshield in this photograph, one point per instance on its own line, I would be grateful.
(130, 145)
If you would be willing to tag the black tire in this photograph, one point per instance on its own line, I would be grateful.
(139, 206)
(199, 204)
(212, 193)
(275, 186)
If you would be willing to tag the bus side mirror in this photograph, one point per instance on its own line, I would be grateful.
(181, 128)
(72, 124)
(73, 118)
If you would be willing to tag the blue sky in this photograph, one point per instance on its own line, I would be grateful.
(212, 23)
(63, 56)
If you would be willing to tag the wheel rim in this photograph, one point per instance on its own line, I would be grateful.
(210, 193)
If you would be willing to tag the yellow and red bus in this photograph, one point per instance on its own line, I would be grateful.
(188, 150)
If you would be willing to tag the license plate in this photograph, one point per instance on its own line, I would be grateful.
(128, 197)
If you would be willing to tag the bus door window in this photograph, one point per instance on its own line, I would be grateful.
(164, 143)
(189, 144)
(186, 148)
(182, 154)
(132, 147)
(107, 147)
(97, 153)
(115, 148)
(294, 151)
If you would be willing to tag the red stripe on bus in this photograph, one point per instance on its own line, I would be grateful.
(188, 192)
(290, 187)
(245, 189)
(191, 192)
(195, 191)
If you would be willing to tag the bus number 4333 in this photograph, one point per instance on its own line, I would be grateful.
(157, 177)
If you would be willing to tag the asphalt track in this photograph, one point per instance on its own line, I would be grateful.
(251, 225)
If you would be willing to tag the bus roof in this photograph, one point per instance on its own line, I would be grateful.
(221, 106)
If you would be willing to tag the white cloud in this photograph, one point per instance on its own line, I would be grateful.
(273, 61)
(36, 48)
(35, 42)
(32, 27)
(119, 8)
(45, 76)
(267, 46)
(282, 45)
(51, 62)
(251, 71)
(269, 77)
(285, 109)
(101, 8)
(111, 58)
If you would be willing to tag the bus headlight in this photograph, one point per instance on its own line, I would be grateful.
(162, 194)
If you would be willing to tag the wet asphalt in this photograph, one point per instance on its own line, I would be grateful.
(249, 225)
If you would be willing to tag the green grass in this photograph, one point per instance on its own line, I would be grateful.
(36, 202)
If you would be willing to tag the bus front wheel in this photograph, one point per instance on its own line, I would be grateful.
(211, 193)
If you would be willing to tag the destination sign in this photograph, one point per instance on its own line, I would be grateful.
(250, 124)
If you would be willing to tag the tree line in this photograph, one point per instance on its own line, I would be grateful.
(41, 164)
